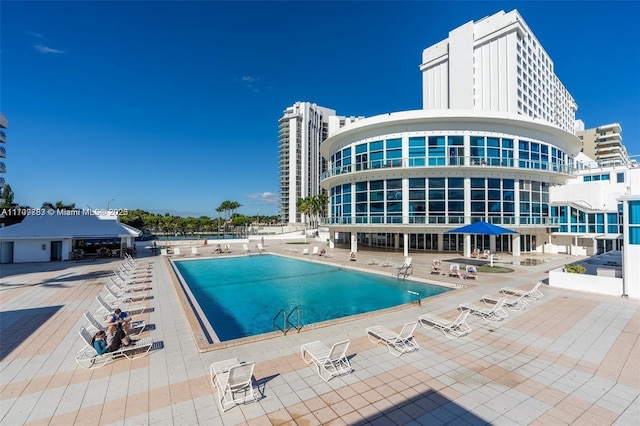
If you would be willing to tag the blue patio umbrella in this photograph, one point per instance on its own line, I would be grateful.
(482, 228)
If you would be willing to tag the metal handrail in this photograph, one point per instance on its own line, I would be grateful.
(275, 325)
(286, 322)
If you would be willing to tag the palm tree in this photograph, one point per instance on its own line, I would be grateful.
(323, 200)
(304, 207)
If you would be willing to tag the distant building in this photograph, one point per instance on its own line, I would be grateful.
(604, 144)
(4, 123)
(302, 129)
(495, 64)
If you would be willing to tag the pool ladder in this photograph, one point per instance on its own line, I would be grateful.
(286, 322)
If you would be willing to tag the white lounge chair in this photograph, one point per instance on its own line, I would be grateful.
(194, 251)
(234, 381)
(406, 267)
(108, 307)
(132, 274)
(451, 329)
(471, 272)
(513, 304)
(534, 293)
(397, 343)
(122, 285)
(135, 328)
(245, 248)
(128, 280)
(164, 252)
(259, 248)
(494, 314)
(332, 361)
(87, 357)
(454, 271)
(116, 295)
(305, 251)
(177, 252)
(315, 250)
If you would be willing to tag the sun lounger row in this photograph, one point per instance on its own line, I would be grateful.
(125, 291)
(470, 271)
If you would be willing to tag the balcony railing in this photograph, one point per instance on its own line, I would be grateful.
(450, 162)
(439, 220)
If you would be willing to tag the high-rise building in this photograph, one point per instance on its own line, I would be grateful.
(3, 151)
(495, 64)
(302, 128)
(604, 144)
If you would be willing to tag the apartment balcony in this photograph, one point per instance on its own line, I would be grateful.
(451, 163)
(2, 182)
(3, 168)
(439, 221)
(3, 136)
(4, 123)
(3, 152)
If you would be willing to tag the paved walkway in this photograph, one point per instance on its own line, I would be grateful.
(571, 358)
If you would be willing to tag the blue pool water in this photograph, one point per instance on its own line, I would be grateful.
(241, 295)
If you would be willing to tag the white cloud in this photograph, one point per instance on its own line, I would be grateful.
(252, 83)
(33, 34)
(265, 197)
(46, 49)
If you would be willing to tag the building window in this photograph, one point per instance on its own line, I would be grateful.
(620, 178)
(634, 222)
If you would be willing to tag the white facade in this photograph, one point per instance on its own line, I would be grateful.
(302, 128)
(495, 64)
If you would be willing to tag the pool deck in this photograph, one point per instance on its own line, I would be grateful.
(570, 358)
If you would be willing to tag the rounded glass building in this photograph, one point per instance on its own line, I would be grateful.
(401, 180)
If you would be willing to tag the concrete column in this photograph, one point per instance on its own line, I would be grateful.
(467, 245)
(515, 245)
(406, 244)
(492, 243)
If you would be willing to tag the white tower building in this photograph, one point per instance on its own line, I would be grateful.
(495, 64)
(302, 128)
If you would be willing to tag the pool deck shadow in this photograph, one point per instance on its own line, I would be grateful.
(570, 358)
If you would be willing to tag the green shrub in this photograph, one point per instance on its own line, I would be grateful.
(576, 268)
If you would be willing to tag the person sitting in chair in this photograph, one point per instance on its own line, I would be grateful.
(118, 320)
(322, 252)
(352, 256)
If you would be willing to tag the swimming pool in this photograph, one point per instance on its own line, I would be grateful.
(241, 295)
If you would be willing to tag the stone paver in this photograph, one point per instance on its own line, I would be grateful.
(570, 358)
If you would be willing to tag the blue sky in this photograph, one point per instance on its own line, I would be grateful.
(173, 106)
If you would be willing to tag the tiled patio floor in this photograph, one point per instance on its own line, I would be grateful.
(571, 358)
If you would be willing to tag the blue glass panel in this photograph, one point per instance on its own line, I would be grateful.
(634, 235)
(361, 148)
(375, 146)
(376, 184)
(376, 195)
(417, 142)
(394, 143)
(417, 183)
(478, 195)
(346, 198)
(477, 182)
(634, 212)
(416, 194)
(361, 186)
(436, 183)
(507, 143)
(493, 142)
(477, 141)
(456, 182)
(456, 140)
